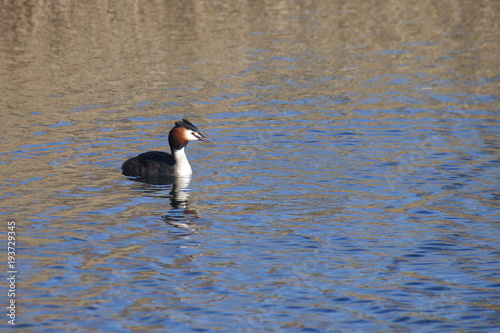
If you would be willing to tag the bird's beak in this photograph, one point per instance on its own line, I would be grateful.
(202, 138)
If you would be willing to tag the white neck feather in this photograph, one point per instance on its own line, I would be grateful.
(182, 167)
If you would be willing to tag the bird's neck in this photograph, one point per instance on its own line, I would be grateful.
(182, 167)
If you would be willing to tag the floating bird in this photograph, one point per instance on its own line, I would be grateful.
(153, 164)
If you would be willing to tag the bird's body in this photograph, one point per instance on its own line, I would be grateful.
(161, 164)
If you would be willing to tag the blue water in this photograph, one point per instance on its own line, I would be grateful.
(353, 188)
(352, 222)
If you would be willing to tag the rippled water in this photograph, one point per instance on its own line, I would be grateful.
(354, 186)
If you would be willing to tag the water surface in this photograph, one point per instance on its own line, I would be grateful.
(354, 186)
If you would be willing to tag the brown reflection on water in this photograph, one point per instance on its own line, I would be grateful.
(124, 54)
(119, 55)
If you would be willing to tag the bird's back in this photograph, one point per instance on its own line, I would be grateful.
(150, 164)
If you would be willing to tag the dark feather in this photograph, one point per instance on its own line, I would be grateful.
(186, 124)
(151, 163)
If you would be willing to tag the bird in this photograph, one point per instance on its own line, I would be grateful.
(156, 164)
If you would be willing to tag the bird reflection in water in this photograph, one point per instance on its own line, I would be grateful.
(180, 215)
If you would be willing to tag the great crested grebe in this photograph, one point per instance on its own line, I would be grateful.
(161, 164)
